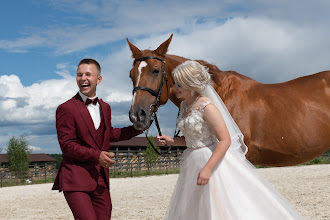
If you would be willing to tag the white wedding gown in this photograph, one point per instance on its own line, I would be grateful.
(235, 190)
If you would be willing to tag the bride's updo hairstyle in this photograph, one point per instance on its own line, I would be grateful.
(192, 75)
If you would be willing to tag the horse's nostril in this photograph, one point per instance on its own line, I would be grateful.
(142, 115)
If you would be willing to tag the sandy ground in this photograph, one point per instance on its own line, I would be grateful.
(306, 187)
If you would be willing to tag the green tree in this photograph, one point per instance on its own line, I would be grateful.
(18, 156)
(150, 155)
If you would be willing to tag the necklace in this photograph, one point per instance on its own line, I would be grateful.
(189, 106)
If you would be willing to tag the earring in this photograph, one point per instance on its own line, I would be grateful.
(192, 92)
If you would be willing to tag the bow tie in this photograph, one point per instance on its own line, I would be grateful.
(89, 101)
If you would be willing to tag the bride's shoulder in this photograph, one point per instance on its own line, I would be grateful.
(204, 101)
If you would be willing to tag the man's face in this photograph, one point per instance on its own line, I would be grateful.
(87, 79)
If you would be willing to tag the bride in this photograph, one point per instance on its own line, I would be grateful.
(216, 181)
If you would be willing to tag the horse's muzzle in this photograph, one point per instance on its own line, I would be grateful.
(140, 119)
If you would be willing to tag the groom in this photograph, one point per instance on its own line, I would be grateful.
(84, 132)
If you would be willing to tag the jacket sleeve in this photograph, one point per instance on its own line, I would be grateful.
(68, 140)
(121, 134)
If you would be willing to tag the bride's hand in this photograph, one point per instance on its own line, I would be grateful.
(164, 138)
(204, 177)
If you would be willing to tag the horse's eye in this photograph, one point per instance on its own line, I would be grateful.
(155, 72)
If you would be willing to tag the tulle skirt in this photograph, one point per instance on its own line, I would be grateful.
(235, 191)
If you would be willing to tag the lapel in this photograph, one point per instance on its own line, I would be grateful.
(86, 117)
(105, 114)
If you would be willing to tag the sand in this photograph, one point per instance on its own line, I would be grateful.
(306, 187)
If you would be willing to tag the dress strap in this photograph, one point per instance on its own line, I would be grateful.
(204, 104)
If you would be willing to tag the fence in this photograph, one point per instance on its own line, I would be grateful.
(41, 173)
(128, 160)
(131, 159)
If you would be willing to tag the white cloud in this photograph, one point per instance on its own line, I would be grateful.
(21, 45)
(35, 103)
(34, 148)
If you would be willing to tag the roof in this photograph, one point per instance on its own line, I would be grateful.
(32, 157)
(142, 142)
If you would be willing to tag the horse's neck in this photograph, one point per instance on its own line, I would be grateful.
(229, 84)
(172, 61)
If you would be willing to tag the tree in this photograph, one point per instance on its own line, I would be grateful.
(18, 156)
(150, 155)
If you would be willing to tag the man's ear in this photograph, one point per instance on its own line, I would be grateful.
(99, 79)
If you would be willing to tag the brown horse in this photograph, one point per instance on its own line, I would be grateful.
(283, 124)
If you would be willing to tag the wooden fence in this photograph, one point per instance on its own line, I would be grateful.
(132, 160)
(128, 160)
(40, 173)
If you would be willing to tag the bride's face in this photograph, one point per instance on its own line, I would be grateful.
(181, 92)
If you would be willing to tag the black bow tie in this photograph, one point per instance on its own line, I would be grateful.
(89, 101)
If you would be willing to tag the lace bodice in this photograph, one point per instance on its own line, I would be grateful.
(192, 125)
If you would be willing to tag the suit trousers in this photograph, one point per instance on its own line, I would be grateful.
(94, 205)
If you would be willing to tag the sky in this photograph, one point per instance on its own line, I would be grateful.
(41, 43)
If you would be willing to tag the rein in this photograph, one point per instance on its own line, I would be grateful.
(156, 104)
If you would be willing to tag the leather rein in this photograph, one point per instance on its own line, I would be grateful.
(156, 104)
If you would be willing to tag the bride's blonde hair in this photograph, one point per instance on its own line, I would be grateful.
(192, 75)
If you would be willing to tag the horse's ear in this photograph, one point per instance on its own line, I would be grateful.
(162, 49)
(135, 51)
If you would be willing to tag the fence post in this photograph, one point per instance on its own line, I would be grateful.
(1, 179)
(139, 159)
(45, 172)
(130, 161)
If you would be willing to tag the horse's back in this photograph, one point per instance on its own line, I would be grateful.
(285, 119)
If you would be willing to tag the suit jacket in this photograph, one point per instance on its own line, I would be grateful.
(80, 169)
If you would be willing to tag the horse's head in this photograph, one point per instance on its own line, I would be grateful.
(150, 89)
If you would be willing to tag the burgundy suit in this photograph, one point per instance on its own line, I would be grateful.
(81, 145)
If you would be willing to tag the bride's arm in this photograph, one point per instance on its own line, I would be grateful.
(165, 139)
(215, 120)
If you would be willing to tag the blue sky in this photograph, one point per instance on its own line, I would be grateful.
(41, 43)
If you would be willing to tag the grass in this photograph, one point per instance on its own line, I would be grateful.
(125, 174)
(22, 182)
(323, 159)
(319, 160)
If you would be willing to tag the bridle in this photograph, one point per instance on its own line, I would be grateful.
(156, 104)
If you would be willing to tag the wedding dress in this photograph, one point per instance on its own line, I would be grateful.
(236, 190)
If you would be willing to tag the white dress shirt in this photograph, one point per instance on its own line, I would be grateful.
(94, 110)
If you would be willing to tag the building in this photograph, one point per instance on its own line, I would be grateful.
(35, 160)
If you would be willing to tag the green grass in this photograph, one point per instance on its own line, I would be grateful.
(19, 182)
(323, 159)
(125, 174)
(319, 160)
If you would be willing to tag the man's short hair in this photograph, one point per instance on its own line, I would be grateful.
(91, 61)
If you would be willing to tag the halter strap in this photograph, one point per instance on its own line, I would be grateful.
(148, 57)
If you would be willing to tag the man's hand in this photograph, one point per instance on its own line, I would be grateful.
(104, 159)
